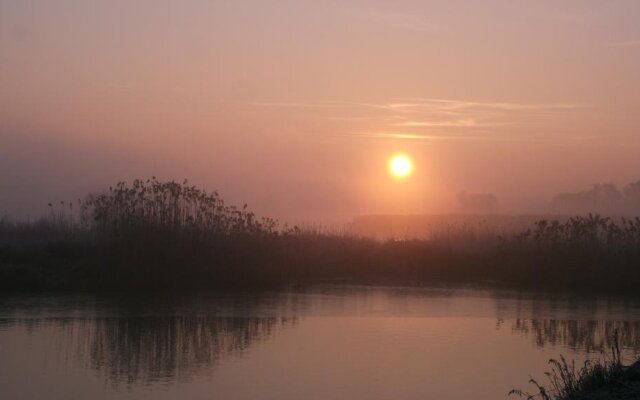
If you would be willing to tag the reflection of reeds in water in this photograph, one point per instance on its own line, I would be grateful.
(581, 335)
(155, 349)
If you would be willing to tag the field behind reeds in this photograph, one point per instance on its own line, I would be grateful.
(156, 235)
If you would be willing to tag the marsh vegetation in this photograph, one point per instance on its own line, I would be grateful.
(603, 378)
(168, 235)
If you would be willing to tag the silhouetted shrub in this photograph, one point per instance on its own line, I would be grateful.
(169, 207)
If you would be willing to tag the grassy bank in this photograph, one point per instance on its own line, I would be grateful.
(606, 378)
(170, 236)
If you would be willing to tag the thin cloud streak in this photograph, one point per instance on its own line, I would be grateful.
(462, 104)
(415, 118)
(465, 123)
(408, 136)
(410, 103)
(491, 138)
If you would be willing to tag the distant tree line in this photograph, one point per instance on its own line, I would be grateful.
(603, 198)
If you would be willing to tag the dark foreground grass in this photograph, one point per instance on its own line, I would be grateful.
(606, 378)
(168, 236)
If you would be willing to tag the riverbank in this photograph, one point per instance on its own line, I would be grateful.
(606, 378)
(168, 262)
(627, 387)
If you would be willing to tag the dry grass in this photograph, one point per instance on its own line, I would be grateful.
(603, 378)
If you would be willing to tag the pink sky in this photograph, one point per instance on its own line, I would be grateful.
(295, 106)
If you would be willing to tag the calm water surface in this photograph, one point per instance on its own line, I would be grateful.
(326, 343)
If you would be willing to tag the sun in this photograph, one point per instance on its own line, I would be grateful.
(400, 166)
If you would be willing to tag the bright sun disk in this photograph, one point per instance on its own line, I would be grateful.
(400, 166)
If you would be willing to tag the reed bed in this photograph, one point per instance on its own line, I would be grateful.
(168, 235)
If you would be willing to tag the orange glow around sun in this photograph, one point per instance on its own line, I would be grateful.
(400, 166)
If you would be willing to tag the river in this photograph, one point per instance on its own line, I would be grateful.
(327, 342)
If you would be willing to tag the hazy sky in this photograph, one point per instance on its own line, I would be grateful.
(295, 106)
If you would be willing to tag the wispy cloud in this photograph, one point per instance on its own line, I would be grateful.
(421, 104)
(416, 113)
(414, 118)
(463, 123)
(425, 137)
(413, 102)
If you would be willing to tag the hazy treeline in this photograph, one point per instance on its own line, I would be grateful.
(603, 198)
(167, 235)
